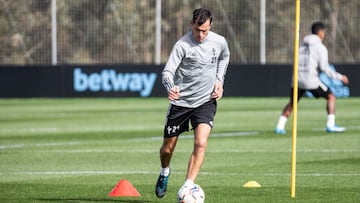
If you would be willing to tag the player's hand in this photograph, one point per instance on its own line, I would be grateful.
(174, 93)
(218, 91)
(345, 79)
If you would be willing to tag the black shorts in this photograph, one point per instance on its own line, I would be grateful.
(178, 117)
(319, 92)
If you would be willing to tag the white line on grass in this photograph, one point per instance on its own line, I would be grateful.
(30, 130)
(187, 151)
(284, 151)
(316, 174)
(215, 135)
(233, 134)
(117, 128)
(102, 151)
(38, 145)
(178, 172)
(79, 172)
(77, 129)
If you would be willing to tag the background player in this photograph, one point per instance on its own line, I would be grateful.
(313, 59)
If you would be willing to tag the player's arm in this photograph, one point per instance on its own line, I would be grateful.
(218, 90)
(324, 67)
(345, 79)
(169, 72)
(223, 63)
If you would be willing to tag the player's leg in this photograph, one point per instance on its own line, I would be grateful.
(202, 122)
(177, 121)
(326, 93)
(166, 151)
(330, 104)
(286, 112)
(330, 123)
(197, 157)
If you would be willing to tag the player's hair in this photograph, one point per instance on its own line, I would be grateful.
(316, 27)
(201, 15)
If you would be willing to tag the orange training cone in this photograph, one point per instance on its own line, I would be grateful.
(124, 188)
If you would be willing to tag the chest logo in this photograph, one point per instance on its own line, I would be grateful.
(213, 58)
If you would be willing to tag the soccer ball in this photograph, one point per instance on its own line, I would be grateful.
(191, 194)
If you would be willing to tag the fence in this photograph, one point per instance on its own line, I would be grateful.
(124, 31)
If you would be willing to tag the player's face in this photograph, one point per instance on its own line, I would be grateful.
(200, 31)
(321, 34)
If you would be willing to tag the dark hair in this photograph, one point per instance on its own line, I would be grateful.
(201, 15)
(316, 27)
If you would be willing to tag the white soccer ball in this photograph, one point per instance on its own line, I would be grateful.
(191, 194)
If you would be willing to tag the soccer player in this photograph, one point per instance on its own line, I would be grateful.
(313, 59)
(193, 77)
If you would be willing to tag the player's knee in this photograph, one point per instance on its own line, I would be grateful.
(167, 149)
(331, 97)
(168, 145)
(200, 145)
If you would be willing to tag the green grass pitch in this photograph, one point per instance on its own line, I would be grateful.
(76, 150)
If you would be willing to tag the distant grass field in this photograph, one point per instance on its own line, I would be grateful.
(76, 150)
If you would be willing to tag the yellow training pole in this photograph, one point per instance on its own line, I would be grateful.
(295, 97)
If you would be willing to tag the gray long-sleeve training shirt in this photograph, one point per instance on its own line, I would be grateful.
(313, 59)
(195, 67)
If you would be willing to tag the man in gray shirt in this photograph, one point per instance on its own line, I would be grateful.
(193, 77)
(313, 59)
